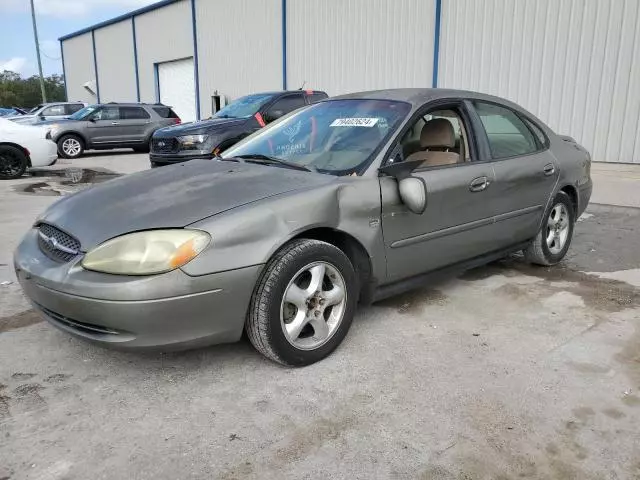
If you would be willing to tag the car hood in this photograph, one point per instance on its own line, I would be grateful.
(171, 197)
(196, 128)
(57, 121)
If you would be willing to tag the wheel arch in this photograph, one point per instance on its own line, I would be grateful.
(572, 192)
(352, 248)
(77, 134)
(19, 147)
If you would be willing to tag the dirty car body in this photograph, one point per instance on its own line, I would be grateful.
(325, 207)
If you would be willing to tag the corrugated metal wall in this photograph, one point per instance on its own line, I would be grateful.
(162, 35)
(348, 45)
(116, 66)
(574, 63)
(239, 48)
(79, 67)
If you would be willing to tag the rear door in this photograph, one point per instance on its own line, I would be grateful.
(103, 125)
(526, 171)
(134, 122)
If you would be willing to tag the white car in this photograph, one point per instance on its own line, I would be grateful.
(22, 147)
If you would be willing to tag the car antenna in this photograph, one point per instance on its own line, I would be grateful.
(302, 86)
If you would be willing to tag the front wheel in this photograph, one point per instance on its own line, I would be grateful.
(553, 240)
(13, 162)
(304, 303)
(70, 146)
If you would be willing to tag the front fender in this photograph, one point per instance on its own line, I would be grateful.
(251, 234)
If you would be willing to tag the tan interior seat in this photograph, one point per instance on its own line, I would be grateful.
(437, 138)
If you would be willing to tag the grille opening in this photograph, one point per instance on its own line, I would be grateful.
(164, 145)
(87, 328)
(64, 247)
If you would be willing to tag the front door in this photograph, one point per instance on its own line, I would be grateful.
(526, 171)
(457, 224)
(103, 126)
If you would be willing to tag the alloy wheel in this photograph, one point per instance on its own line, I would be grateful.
(557, 228)
(313, 305)
(71, 147)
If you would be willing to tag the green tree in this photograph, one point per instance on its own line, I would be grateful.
(25, 92)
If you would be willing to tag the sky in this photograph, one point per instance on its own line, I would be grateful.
(55, 18)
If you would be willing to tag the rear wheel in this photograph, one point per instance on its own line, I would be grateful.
(13, 162)
(70, 146)
(554, 238)
(304, 303)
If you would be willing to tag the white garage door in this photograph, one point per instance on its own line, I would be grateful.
(177, 87)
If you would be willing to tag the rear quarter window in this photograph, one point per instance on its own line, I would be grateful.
(165, 112)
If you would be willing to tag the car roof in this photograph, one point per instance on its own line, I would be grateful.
(419, 96)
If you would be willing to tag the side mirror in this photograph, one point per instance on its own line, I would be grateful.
(412, 190)
(273, 115)
(91, 119)
(413, 193)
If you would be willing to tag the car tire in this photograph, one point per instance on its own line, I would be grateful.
(554, 238)
(13, 162)
(70, 146)
(317, 319)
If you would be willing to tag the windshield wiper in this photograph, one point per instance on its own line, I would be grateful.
(260, 158)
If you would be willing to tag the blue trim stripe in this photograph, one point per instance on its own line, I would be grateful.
(196, 73)
(135, 56)
(436, 44)
(126, 16)
(284, 44)
(156, 82)
(95, 63)
(64, 73)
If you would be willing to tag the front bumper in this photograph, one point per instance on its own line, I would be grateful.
(159, 160)
(167, 312)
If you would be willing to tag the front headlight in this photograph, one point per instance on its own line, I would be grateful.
(192, 141)
(147, 253)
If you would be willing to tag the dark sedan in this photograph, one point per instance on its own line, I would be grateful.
(206, 139)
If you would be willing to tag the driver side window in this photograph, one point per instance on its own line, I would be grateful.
(438, 138)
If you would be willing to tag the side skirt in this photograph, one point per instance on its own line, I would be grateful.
(418, 281)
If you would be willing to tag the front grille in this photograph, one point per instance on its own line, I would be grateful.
(56, 244)
(164, 145)
(82, 327)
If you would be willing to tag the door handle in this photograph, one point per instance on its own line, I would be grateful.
(479, 184)
(115, 123)
(549, 169)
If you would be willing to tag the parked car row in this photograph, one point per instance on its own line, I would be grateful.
(346, 201)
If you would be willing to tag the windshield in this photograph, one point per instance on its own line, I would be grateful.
(81, 114)
(244, 107)
(337, 136)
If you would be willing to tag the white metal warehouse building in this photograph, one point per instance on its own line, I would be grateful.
(573, 63)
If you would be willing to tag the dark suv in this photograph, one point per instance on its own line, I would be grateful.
(228, 126)
(110, 125)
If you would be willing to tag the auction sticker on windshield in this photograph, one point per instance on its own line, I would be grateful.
(354, 122)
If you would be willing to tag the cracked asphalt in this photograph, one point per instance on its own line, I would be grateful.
(509, 371)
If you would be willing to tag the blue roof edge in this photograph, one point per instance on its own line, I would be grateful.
(140, 11)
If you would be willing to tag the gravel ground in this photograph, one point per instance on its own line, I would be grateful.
(507, 372)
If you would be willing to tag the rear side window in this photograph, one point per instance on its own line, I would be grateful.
(317, 96)
(508, 135)
(537, 131)
(165, 112)
(133, 113)
(73, 108)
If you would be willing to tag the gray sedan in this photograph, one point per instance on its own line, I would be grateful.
(346, 201)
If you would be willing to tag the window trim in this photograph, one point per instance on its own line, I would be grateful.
(120, 107)
(522, 117)
(475, 152)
